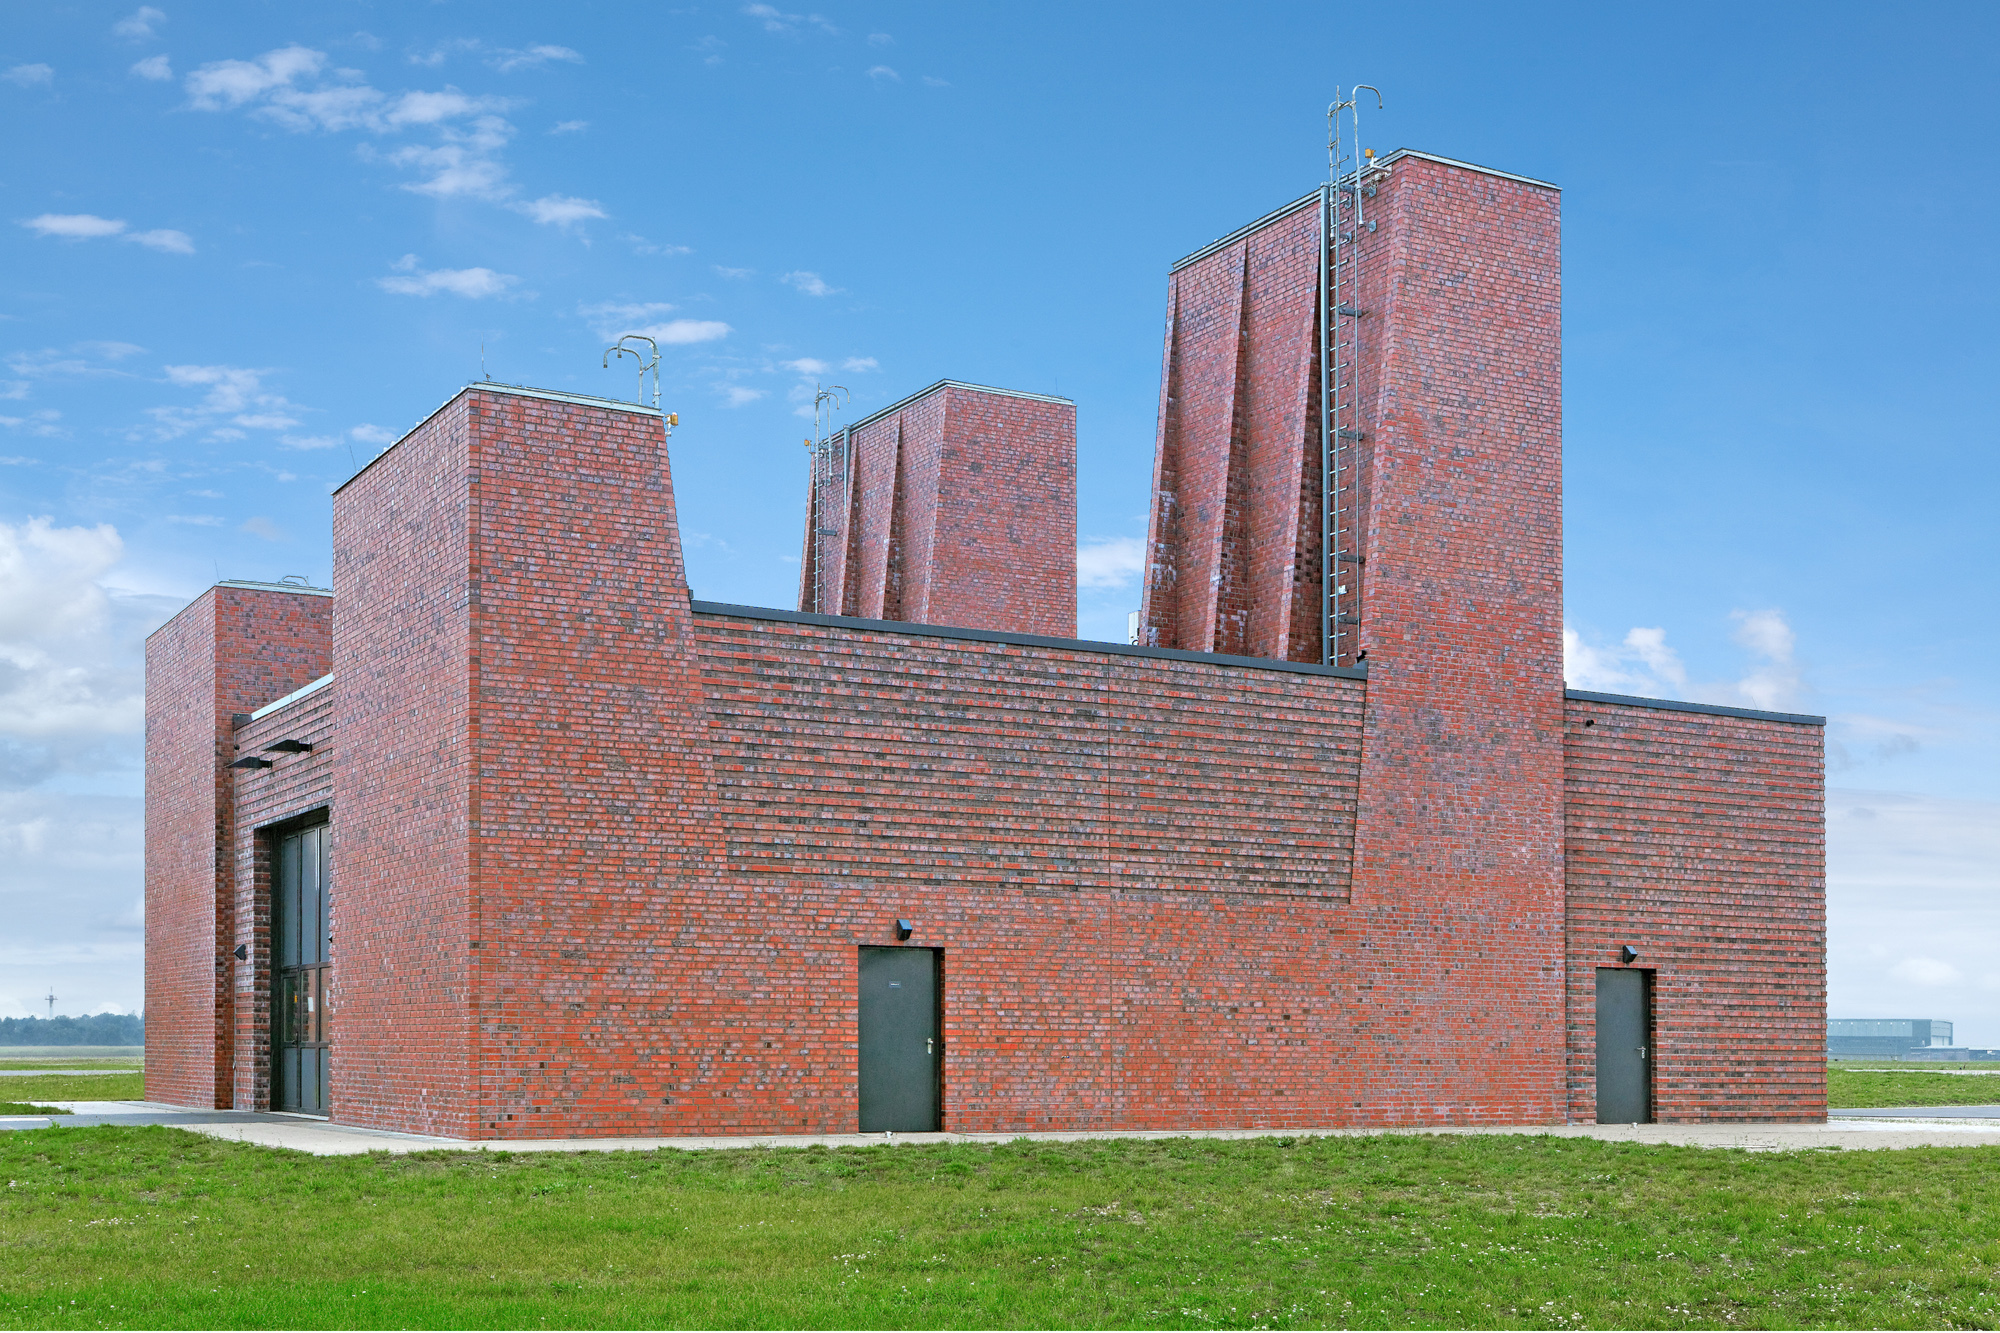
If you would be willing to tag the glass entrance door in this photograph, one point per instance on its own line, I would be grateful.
(301, 957)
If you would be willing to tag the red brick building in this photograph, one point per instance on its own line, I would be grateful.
(591, 857)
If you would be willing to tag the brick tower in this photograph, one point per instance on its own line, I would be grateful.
(955, 506)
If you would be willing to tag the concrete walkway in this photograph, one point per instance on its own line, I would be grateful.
(1900, 1127)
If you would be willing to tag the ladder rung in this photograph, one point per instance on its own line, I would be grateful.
(1350, 435)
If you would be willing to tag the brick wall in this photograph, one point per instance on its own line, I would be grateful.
(232, 650)
(1699, 839)
(403, 649)
(519, 798)
(956, 506)
(294, 785)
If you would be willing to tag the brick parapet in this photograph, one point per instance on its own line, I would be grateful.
(1699, 840)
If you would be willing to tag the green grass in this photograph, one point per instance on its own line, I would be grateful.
(1921, 1087)
(79, 1062)
(112, 1087)
(156, 1227)
(29, 1108)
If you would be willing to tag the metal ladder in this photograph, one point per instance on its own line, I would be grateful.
(1342, 219)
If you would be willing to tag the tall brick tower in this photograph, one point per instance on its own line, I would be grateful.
(1449, 568)
(955, 506)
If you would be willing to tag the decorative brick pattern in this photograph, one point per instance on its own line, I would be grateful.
(234, 649)
(1700, 841)
(954, 507)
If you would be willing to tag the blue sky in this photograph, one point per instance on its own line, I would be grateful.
(244, 246)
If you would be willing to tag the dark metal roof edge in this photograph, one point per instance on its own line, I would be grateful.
(1678, 706)
(916, 630)
(902, 403)
(1287, 210)
(514, 390)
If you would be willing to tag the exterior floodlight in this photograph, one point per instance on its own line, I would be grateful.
(1627, 954)
(289, 746)
(251, 761)
(904, 929)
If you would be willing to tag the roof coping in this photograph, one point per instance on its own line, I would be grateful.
(902, 403)
(1286, 210)
(310, 687)
(306, 588)
(1679, 706)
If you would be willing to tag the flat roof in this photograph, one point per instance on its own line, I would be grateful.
(514, 391)
(310, 687)
(902, 403)
(1286, 210)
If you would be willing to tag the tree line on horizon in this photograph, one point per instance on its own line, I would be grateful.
(63, 1030)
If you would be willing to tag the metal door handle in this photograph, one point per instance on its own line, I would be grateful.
(1642, 1052)
(930, 1045)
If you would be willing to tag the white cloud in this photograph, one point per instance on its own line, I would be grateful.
(735, 395)
(930, 82)
(860, 364)
(612, 319)
(74, 226)
(806, 365)
(307, 442)
(810, 283)
(88, 226)
(880, 39)
(196, 520)
(533, 57)
(641, 246)
(29, 76)
(1774, 683)
(468, 282)
(223, 85)
(43, 423)
(158, 68)
(173, 242)
(569, 127)
(1926, 972)
(880, 73)
(139, 24)
(71, 673)
(560, 210)
(732, 272)
(372, 434)
(294, 88)
(776, 20)
(235, 398)
(1643, 664)
(262, 527)
(1109, 562)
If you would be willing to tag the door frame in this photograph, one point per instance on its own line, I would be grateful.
(269, 838)
(937, 1024)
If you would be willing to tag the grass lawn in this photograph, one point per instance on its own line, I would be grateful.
(107, 1087)
(77, 1062)
(29, 1108)
(157, 1227)
(1918, 1087)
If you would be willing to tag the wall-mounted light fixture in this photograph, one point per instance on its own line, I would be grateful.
(251, 761)
(289, 746)
(242, 953)
(1627, 954)
(904, 930)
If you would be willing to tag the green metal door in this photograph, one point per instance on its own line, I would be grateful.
(301, 958)
(900, 1041)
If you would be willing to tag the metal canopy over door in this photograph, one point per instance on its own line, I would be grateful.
(1624, 1046)
(901, 1046)
(301, 950)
